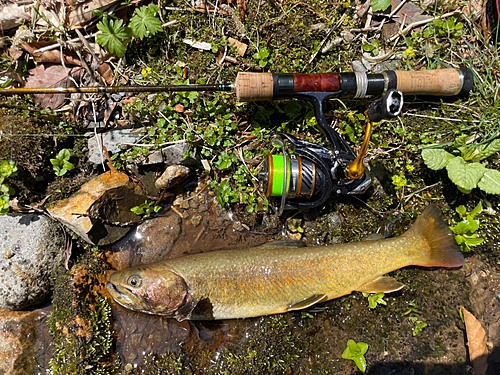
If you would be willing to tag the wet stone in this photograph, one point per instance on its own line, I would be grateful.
(173, 155)
(31, 247)
(151, 241)
(24, 341)
(109, 197)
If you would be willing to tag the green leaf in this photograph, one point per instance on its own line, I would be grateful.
(145, 21)
(112, 35)
(465, 175)
(68, 166)
(355, 352)
(490, 181)
(477, 210)
(380, 5)
(64, 154)
(436, 158)
(461, 210)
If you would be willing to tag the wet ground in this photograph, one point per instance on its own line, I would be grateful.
(310, 341)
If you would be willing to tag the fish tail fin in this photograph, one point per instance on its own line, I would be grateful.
(442, 250)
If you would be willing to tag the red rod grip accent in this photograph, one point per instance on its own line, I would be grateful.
(317, 82)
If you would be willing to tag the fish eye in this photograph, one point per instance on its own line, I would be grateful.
(134, 281)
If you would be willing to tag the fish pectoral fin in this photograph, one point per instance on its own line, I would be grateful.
(384, 284)
(314, 299)
(374, 237)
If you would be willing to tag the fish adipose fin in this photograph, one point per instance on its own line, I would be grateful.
(442, 251)
(314, 299)
(382, 284)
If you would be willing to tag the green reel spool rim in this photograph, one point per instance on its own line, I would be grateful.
(277, 175)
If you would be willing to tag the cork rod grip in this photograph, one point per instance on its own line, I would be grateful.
(254, 86)
(446, 82)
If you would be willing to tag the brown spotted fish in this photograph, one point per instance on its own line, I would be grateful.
(277, 277)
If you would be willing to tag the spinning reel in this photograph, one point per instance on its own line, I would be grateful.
(308, 177)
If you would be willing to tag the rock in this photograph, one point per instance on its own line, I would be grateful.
(109, 196)
(24, 341)
(173, 175)
(195, 220)
(31, 247)
(173, 155)
(114, 141)
(151, 241)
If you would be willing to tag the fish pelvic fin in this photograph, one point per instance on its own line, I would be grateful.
(384, 284)
(314, 299)
(442, 250)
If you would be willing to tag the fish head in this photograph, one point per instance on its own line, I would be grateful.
(149, 290)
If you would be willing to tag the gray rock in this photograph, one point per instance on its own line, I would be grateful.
(114, 141)
(173, 176)
(173, 155)
(31, 247)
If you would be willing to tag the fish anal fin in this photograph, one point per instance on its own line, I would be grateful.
(314, 299)
(382, 284)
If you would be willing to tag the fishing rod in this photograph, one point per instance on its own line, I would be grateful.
(313, 172)
(271, 86)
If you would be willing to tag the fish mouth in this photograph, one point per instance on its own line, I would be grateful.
(124, 297)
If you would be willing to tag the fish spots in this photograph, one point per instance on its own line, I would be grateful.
(336, 268)
(227, 294)
(318, 270)
(260, 288)
(385, 262)
(367, 267)
(330, 277)
(312, 282)
(274, 290)
(288, 282)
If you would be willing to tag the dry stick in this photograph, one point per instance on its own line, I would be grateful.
(419, 23)
(56, 45)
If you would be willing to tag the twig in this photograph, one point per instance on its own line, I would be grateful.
(57, 45)
(419, 23)
(445, 118)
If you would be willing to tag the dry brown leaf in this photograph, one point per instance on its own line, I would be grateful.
(53, 56)
(52, 75)
(79, 14)
(242, 47)
(476, 338)
(408, 13)
(106, 73)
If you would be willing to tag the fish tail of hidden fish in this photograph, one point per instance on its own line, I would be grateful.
(442, 250)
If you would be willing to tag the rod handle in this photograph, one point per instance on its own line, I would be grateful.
(445, 82)
(252, 87)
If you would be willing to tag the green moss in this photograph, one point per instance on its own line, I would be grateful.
(81, 321)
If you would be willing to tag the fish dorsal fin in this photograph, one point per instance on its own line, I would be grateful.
(314, 299)
(374, 237)
(384, 284)
(284, 243)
